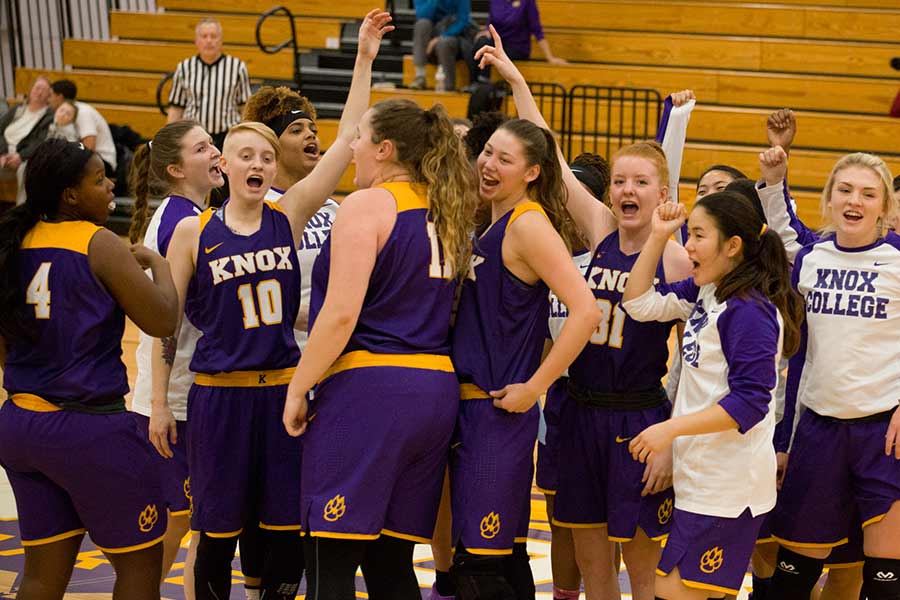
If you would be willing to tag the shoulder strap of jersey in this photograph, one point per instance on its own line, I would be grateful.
(67, 235)
(274, 206)
(523, 208)
(205, 217)
(409, 196)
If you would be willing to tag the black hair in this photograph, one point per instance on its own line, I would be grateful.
(55, 166)
(747, 188)
(66, 87)
(897, 183)
(764, 267)
(735, 174)
(483, 127)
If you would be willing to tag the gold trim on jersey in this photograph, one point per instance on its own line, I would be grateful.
(274, 206)
(699, 585)
(786, 542)
(523, 208)
(66, 235)
(363, 358)
(489, 551)
(54, 538)
(470, 391)
(246, 378)
(205, 217)
(34, 403)
(280, 527)
(130, 548)
(409, 196)
(405, 536)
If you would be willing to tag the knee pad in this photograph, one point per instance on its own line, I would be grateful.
(881, 578)
(795, 576)
(480, 577)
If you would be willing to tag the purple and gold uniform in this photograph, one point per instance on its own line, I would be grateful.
(616, 391)
(376, 452)
(497, 340)
(73, 456)
(244, 299)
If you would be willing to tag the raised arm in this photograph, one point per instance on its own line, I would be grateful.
(591, 216)
(304, 198)
(533, 241)
(354, 248)
(777, 204)
(671, 135)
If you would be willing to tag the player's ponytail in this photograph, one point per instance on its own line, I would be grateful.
(548, 189)
(433, 154)
(139, 184)
(764, 264)
(148, 177)
(55, 166)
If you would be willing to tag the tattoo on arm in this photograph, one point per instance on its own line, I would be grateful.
(169, 346)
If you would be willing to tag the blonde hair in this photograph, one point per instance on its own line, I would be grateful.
(870, 161)
(650, 151)
(432, 153)
(259, 129)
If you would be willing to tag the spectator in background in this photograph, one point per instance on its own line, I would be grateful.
(444, 33)
(63, 125)
(211, 87)
(90, 124)
(516, 21)
(22, 129)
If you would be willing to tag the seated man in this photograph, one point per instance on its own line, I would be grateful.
(444, 34)
(89, 123)
(22, 129)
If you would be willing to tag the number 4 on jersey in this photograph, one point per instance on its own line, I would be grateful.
(38, 292)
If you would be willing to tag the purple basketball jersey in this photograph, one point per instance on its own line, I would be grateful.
(244, 295)
(410, 296)
(501, 323)
(623, 355)
(79, 326)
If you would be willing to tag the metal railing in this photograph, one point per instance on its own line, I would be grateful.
(607, 118)
(163, 108)
(552, 100)
(289, 43)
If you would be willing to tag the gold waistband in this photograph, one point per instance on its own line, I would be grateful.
(363, 358)
(246, 378)
(33, 403)
(470, 391)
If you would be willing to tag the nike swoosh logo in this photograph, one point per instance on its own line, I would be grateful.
(878, 264)
(620, 440)
(212, 248)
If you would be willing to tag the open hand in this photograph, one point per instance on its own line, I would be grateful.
(371, 31)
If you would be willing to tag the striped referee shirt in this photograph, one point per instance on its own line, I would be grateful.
(211, 94)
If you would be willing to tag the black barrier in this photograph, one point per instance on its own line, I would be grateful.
(601, 119)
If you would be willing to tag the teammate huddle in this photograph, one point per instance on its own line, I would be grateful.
(425, 355)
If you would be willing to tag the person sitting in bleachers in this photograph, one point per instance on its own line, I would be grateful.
(22, 129)
(443, 33)
(517, 21)
(92, 128)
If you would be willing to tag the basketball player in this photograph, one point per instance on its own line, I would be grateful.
(238, 278)
(740, 311)
(71, 451)
(181, 166)
(615, 383)
(386, 401)
(850, 283)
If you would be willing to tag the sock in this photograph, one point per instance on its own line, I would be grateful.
(760, 587)
(561, 594)
(420, 71)
(443, 583)
(795, 576)
(881, 578)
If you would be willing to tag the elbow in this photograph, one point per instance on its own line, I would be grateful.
(165, 324)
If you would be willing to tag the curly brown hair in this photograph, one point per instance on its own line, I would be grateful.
(269, 102)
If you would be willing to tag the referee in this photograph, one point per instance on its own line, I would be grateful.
(210, 87)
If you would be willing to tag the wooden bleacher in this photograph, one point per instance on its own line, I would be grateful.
(829, 60)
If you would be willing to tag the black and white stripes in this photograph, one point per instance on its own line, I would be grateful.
(211, 94)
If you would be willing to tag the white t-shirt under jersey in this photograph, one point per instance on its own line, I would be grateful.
(159, 233)
(730, 352)
(317, 230)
